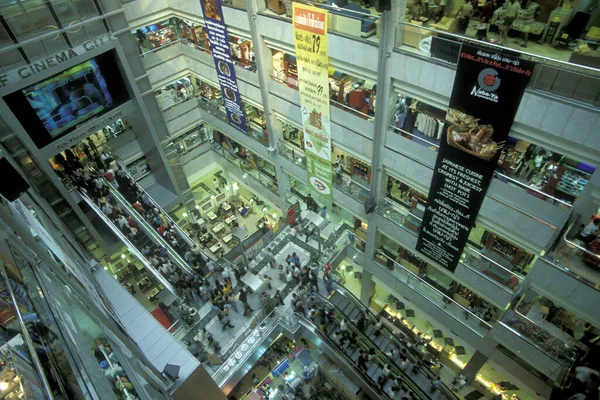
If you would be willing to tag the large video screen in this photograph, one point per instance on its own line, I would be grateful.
(55, 106)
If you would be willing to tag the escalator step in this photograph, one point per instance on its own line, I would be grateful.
(369, 329)
(379, 340)
(353, 314)
(336, 298)
(373, 371)
(348, 309)
(354, 355)
(342, 304)
(385, 345)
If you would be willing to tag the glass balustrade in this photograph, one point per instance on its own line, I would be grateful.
(561, 67)
(434, 295)
(346, 184)
(292, 154)
(557, 348)
(491, 269)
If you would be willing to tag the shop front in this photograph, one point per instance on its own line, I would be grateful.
(544, 171)
(157, 36)
(176, 92)
(345, 91)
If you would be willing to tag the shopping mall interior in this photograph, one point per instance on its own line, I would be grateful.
(173, 227)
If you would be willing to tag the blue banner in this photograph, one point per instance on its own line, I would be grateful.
(219, 46)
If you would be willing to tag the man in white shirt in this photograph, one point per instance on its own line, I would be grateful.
(588, 233)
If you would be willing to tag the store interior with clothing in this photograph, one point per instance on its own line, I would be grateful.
(183, 89)
(545, 173)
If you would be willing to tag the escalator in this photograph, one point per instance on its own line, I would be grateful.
(350, 307)
(150, 232)
(413, 379)
(133, 248)
(186, 241)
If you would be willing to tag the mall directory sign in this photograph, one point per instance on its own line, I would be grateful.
(310, 40)
(219, 46)
(487, 90)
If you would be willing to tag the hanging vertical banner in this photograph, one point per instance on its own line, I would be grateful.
(219, 46)
(310, 40)
(485, 97)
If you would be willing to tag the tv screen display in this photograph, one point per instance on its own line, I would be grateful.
(55, 106)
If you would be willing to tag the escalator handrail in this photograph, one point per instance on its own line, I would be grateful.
(347, 294)
(407, 380)
(132, 249)
(368, 382)
(186, 238)
(150, 230)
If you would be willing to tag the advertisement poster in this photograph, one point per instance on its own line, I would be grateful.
(485, 97)
(310, 40)
(219, 46)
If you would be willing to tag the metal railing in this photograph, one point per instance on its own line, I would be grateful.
(346, 184)
(539, 337)
(263, 178)
(411, 351)
(217, 109)
(563, 71)
(332, 102)
(130, 246)
(502, 177)
(435, 296)
(345, 27)
(485, 266)
(471, 257)
(290, 153)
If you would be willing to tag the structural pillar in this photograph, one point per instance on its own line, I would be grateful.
(263, 68)
(382, 118)
(367, 287)
(478, 360)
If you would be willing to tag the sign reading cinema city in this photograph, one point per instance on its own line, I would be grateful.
(485, 97)
(219, 46)
(310, 40)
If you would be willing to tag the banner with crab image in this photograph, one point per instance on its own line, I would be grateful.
(487, 90)
(310, 40)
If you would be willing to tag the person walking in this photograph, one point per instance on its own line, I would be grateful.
(216, 185)
(224, 318)
(267, 280)
(278, 297)
(243, 297)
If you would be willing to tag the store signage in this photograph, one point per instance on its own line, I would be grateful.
(310, 40)
(49, 62)
(487, 90)
(219, 46)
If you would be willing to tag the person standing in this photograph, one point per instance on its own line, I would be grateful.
(216, 185)
(278, 297)
(512, 10)
(86, 149)
(464, 16)
(243, 297)
(224, 318)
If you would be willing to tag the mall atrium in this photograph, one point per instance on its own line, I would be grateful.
(271, 199)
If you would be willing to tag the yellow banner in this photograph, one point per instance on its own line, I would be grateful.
(310, 40)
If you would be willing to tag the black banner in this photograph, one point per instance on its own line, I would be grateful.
(219, 47)
(485, 97)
